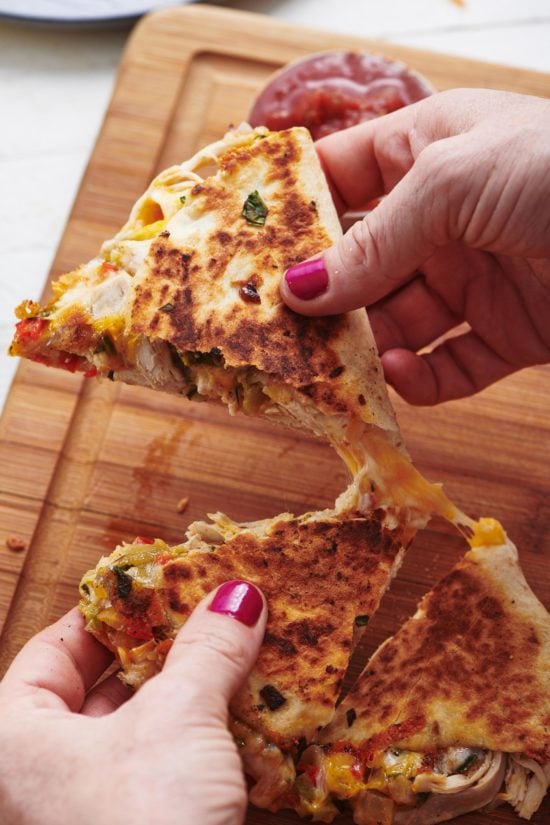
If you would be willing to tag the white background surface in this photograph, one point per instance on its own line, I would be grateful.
(55, 84)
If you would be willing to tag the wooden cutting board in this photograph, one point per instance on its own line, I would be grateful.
(87, 464)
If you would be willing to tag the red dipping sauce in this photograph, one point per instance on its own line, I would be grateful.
(332, 90)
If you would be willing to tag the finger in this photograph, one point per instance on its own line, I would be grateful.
(457, 368)
(58, 665)
(212, 654)
(106, 697)
(412, 317)
(366, 161)
(374, 258)
(383, 251)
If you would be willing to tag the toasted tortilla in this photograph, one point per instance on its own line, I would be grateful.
(472, 667)
(185, 298)
(450, 712)
(318, 573)
(323, 575)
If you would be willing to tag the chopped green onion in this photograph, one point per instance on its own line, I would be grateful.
(470, 760)
(254, 209)
(107, 345)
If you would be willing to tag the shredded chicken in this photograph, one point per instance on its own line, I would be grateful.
(450, 799)
(526, 784)
(451, 782)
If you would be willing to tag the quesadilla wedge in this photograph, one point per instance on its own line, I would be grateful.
(451, 714)
(185, 298)
(323, 575)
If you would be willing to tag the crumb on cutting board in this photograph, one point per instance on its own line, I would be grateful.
(16, 544)
(182, 504)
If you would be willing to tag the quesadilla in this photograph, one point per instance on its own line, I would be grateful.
(185, 298)
(450, 715)
(323, 575)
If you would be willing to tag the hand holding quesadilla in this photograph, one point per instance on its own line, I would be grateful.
(75, 753)
(185, 298)
(323, 575)
(461, 236)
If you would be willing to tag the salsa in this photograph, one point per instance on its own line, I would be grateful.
(332, 90)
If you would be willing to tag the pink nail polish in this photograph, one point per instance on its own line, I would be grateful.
(308, 279)
(238, 599)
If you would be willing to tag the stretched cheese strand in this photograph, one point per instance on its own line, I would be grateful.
(394, 480)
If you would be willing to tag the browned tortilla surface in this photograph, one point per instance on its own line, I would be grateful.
(471, 668)
(317, 576)
(204, 266)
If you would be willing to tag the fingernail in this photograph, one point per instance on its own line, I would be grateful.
(308, 279)
(238, 599)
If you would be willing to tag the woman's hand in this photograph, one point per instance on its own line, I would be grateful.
(75, 753)
(463, 235)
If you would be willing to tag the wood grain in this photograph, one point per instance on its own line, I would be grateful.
(88, 464)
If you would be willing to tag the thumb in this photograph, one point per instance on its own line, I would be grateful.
(382, 251)
(217, 647)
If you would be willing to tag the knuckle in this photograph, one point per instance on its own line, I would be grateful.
(438, 161)
(362, 245)
(441, 181)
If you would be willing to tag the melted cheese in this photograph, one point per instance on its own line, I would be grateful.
(400, 481)
(393, 775)
(343, 775)
(151, 230)
(488, 532)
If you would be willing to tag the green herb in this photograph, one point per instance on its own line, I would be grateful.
(167, 307)
(106, 345)
(183, 198)
(123, 582)
(361, 621)
(422, 797)
(254, 209)
(468, 762)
